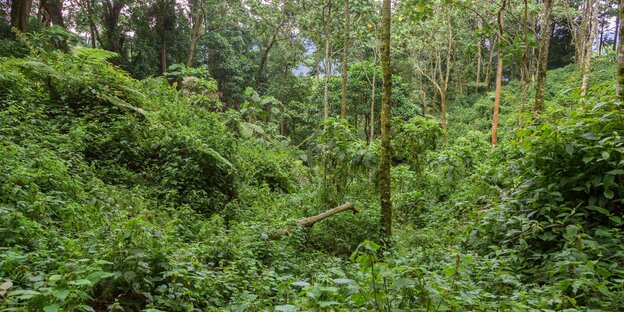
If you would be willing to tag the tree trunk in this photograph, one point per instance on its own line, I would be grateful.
(327, 65)
(616, 34)
(543, 57)
(20, 12)
(52, 12)
(620, 54)
(589, 46)
(265, 54)
(480, 26)
(198, 20)
(345, 60)
(526, 65)
(386, 107)
(372, 107)
(310, 221)
(489, 66)
(499, 76)
(114, 36)
(163, 53)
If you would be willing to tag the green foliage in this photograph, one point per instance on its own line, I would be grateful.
(413, 138)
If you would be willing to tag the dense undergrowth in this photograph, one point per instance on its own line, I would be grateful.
(127, 195)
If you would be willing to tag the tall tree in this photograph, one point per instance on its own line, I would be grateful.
(345, 61)
(52, 11)
(20, 12)
(327, 17)
(589, 46)
(386, 107)
(620, 53)
(542, 62)
(113, 32)
(198, 15)
(499, 73)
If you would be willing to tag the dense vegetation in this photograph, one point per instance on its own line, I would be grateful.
(170, 169)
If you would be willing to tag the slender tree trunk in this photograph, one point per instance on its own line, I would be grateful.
(526, 66)
(386, 107)
(198, 20)
(265, 54)
(327, 65)
(616, 34)
(620, 53)
(372, 107)
(480, 26)
(20, 12)
(589, 47)
(328, 74)
(499, 76)
(345, 60)
(489, 66)
(601, 41)
(163, 53)
(543, 57)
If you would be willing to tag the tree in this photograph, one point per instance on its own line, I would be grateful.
(110, 18)
(542, 62)
(345, 61)
(589, 45)
(52, 11)
(328, 63)
(499, 73)
(386, 108)
(198, 15)
(620, 53)
(20, 12)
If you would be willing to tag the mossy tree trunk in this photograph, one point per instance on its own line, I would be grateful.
(345, 61)
(499, 75)
(20, 12)
(386, 106)
(620, 53)
(542, 66)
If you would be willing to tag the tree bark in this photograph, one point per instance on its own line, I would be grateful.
(198, 20)
(345, 60)
(20, 12)
(543, 58)
(265, 54)
(620, 54)
(52, 12)
(489, 66)
(616, 35)
(480, 26)
(386, 107)
(310, 221)
(327, 64)
(526, 65)
(163, 53)
(499, 75)
(114, 36)
(372, 107)
(589, 46)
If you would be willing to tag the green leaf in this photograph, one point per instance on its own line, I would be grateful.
(300, 284)
(51, 308)
(286, 308)
(343, 281)
(23, 294)
(80, 282)
(61, 294)
(324, 304)
(608, 194)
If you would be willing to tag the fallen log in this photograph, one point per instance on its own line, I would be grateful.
(310, 221)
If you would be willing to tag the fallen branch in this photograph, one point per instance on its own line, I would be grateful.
(310, 221)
